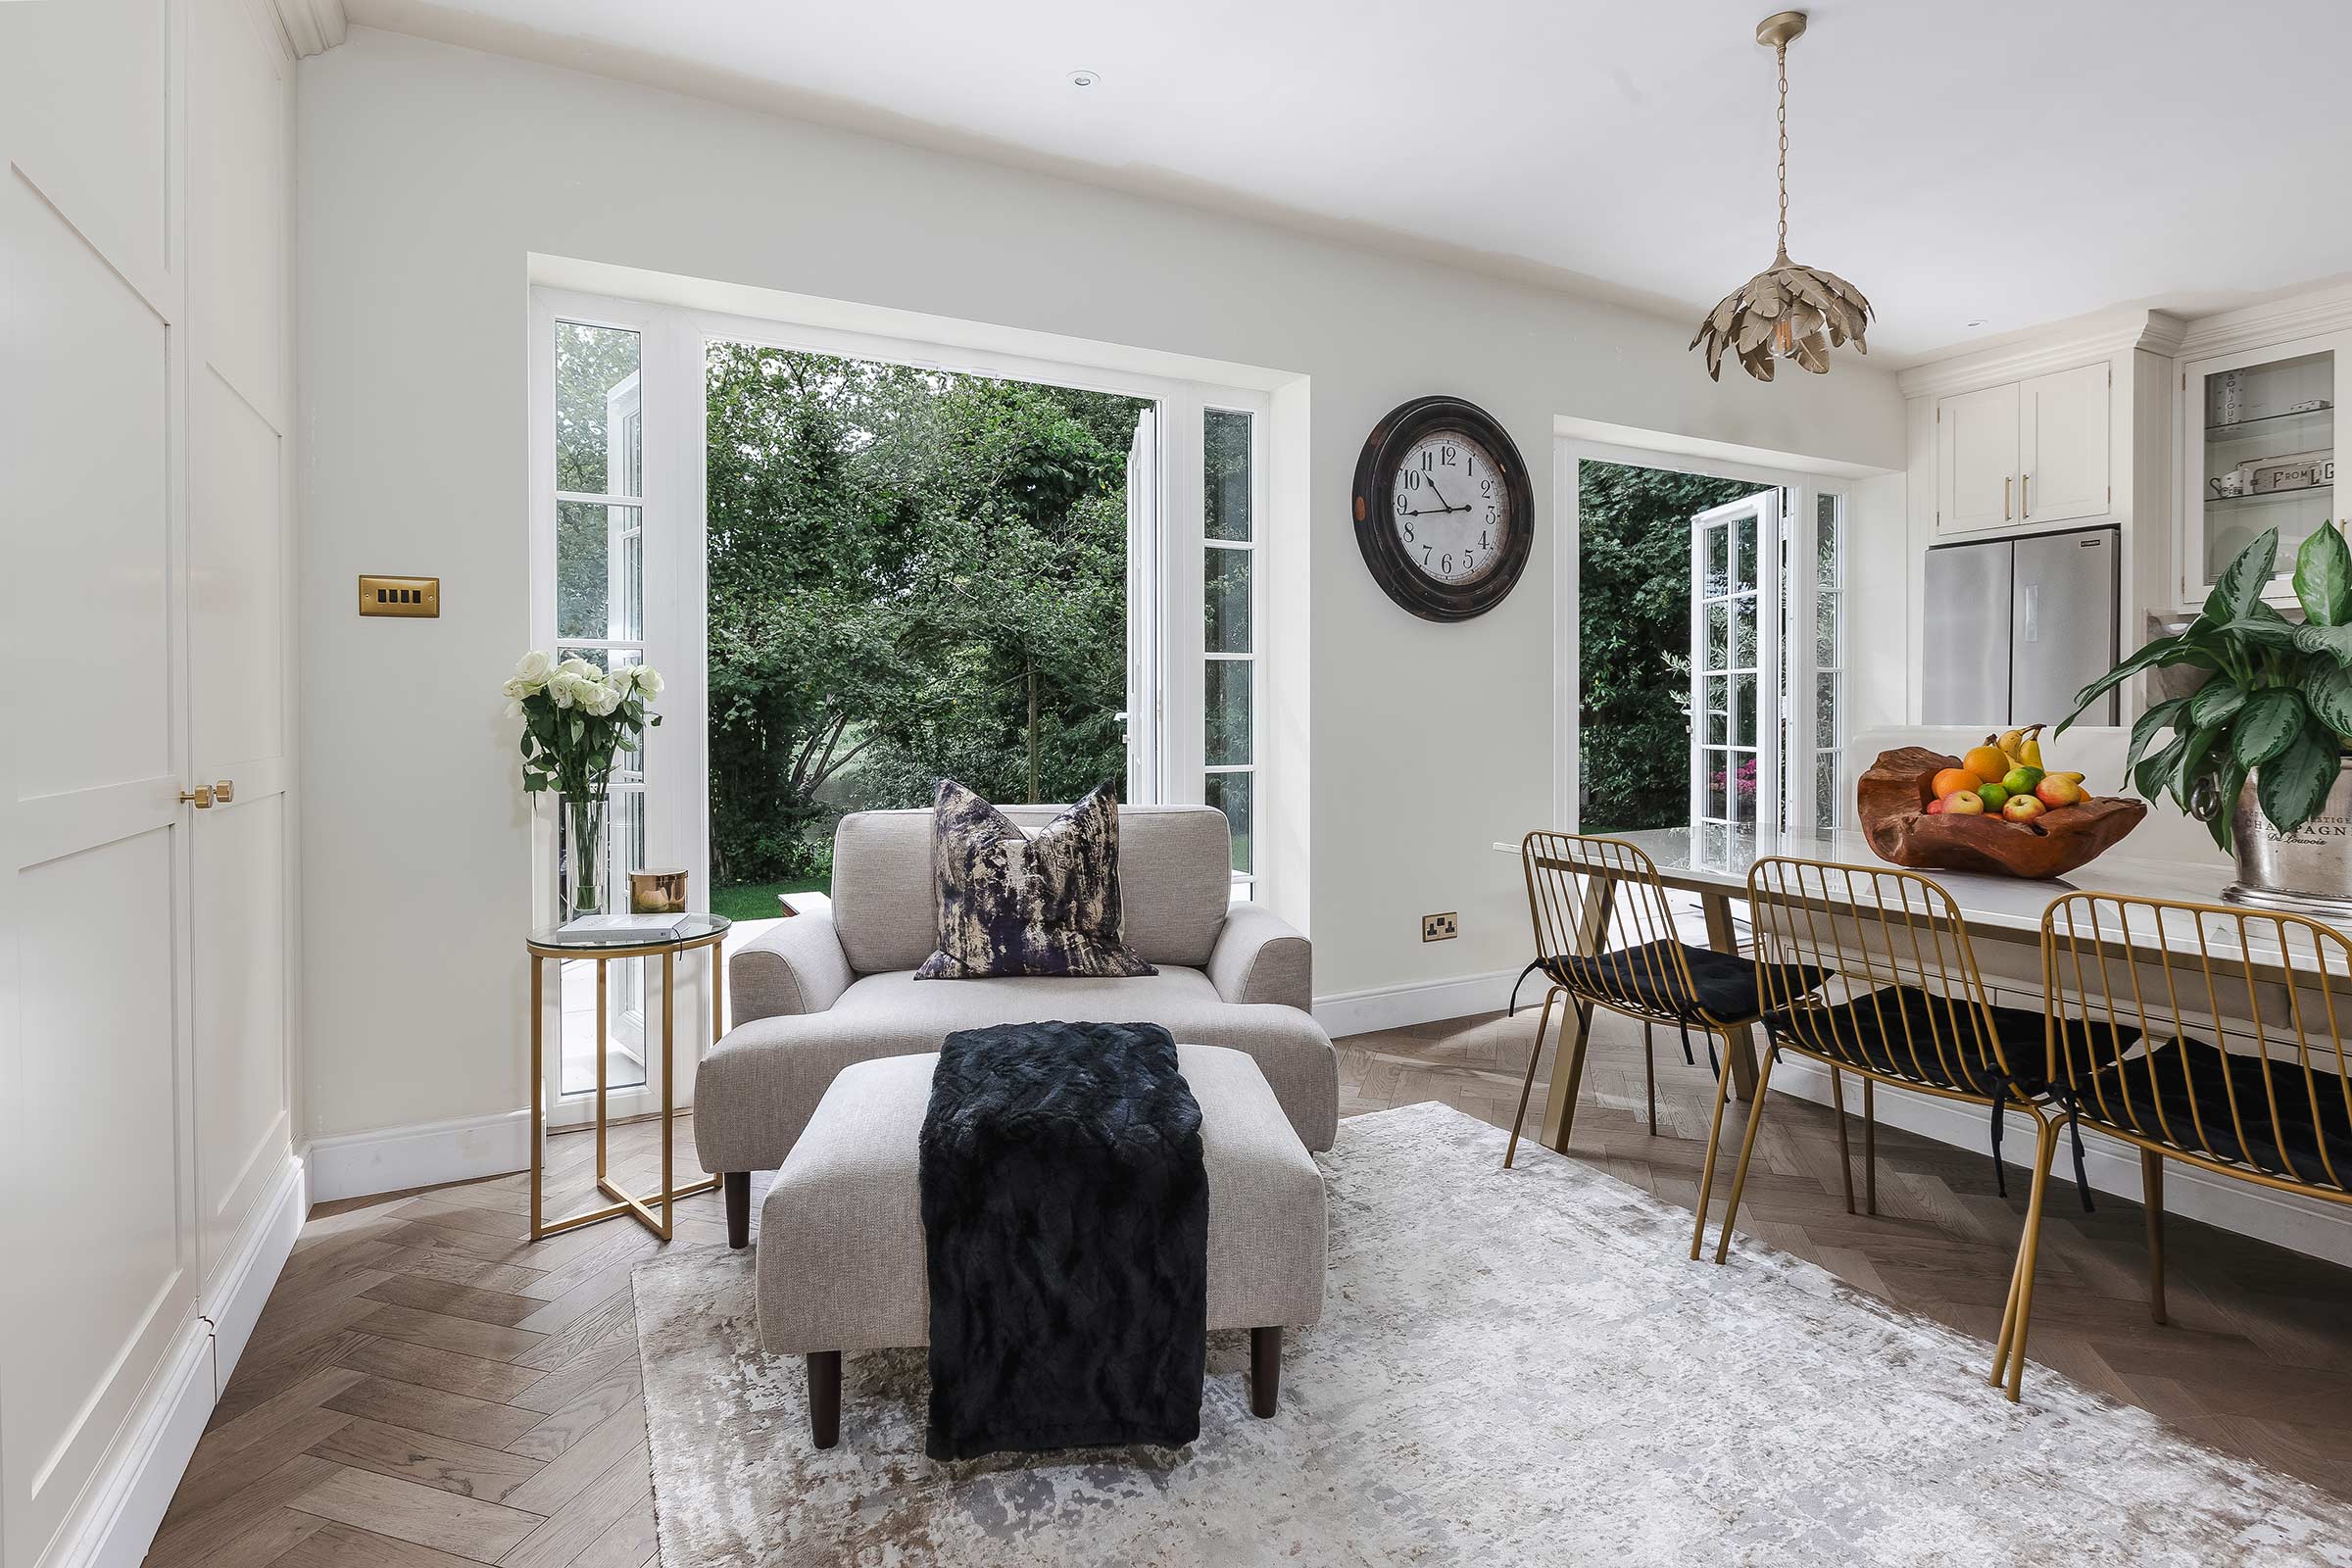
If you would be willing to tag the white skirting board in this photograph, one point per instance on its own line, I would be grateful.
(1355, 1012)
(389, 1158)
(116, 1520)
(2285, 1219)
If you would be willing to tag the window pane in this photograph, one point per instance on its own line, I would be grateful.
(1747, 528)
(599, 425)
(1825, 791)
(1827, 571)
(1715, 766)
(1719, 717)
(1227, 581)
(1825, 630)
(1227, 722)
(1743, 724)
(1229, 793)
(1225, 476)
(600, 571)
(1743, 633)
(1719, 636)
(1825, 710)
(1719, 566)
(1743, 786)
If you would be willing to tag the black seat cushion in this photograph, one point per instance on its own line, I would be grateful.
(1723, 985)
(2181, 1093)
(1897, 1029)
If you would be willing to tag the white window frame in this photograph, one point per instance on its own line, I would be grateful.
(1799, 493)
(1167, 561)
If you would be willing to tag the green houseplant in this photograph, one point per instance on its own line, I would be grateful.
(2275, 705)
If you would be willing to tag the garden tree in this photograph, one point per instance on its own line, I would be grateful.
(911, 573)
(1634, 640)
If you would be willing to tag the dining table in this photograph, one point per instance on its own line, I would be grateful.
(2002, 915)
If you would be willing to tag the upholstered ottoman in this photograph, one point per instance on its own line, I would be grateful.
(841, 1264)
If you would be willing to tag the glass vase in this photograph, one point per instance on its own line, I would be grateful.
(585, 888)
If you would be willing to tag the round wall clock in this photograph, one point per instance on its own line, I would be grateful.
(1443, 512)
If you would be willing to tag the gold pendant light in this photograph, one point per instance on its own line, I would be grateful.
(1791, 311)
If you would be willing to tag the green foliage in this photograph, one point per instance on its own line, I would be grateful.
(1635, 640)
(2277, 706)
(904, 566)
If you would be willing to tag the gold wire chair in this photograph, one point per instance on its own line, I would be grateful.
(1908, 1005)
(1581, 893)
(2210, 1034)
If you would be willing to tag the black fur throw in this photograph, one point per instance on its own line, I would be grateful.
(1065, 1224)
(1012, 903)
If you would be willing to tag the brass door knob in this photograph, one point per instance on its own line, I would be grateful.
(225, 791)
(201, 795)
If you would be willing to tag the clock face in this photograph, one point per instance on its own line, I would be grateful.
(1450, 507)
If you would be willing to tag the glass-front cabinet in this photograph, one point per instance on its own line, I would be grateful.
(2260, 432)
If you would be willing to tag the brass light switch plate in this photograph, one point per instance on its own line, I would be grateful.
(400, 595)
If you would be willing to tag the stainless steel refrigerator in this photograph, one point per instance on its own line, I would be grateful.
(2016, 627)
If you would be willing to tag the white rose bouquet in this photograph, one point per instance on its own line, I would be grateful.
(576, 719)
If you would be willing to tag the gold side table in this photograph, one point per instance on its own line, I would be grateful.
(696, 931)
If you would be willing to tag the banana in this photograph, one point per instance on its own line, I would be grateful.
(2009, 741)
(2030, 752)
(2071, 778)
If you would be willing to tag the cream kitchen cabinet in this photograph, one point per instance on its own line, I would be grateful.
(2024, 453)
(2260, 429)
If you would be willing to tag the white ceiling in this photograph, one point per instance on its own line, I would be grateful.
(2014, 162)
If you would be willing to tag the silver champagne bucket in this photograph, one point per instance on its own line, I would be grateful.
(2308, 871)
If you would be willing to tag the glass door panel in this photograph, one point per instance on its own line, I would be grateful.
(2268, 454)
(1733, 644)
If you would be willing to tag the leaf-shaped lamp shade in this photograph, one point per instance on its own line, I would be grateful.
(1786, 311)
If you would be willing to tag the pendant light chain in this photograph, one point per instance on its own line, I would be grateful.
(1782, 50)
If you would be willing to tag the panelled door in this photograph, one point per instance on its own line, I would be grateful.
(1735, 653)
(100, 1221)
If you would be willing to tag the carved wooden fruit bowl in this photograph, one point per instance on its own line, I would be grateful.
(1892, 801)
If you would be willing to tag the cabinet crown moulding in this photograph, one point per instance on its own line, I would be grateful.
(2061, 348)
(312, 26)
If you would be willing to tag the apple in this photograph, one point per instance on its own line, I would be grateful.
(2057, 789)
(1994, 796)
(1964, 803)
(2022, 808)
(1936, 808)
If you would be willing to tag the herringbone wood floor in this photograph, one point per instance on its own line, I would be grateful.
(427, 1388)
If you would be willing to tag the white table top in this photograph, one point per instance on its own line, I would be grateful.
(1717, 859)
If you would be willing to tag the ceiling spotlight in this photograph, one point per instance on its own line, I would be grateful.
(1084, 78)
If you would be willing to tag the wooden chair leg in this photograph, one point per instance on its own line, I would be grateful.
(1706, 1180)
(825, 1398)
(1846, 1152)
(2009, 1357)
(2151, 1198)
(1535, 1054)
(1870, 1145)
(1747, 1148)
(738, 1185)
(1265, 1370)
(1650, 1074)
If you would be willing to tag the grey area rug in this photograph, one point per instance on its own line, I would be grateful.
(1513, 1367)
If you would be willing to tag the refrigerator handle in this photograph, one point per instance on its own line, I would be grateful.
(2030, 615)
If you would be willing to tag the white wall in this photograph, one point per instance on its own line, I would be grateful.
(429, 174)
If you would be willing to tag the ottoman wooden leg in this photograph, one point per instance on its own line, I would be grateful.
(824, 1396)
(1266, 1369)
(738, 1184)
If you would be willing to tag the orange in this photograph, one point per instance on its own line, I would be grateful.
(1989, 763)
(1953, 778)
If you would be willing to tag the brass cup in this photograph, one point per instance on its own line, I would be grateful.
(656, 890)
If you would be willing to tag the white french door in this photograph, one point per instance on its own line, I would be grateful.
(1767, 664)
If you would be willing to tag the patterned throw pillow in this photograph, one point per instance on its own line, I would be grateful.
(1009, 904)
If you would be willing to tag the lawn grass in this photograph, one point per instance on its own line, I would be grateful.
(757, 901)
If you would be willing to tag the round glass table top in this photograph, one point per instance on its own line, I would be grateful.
(674, 931)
